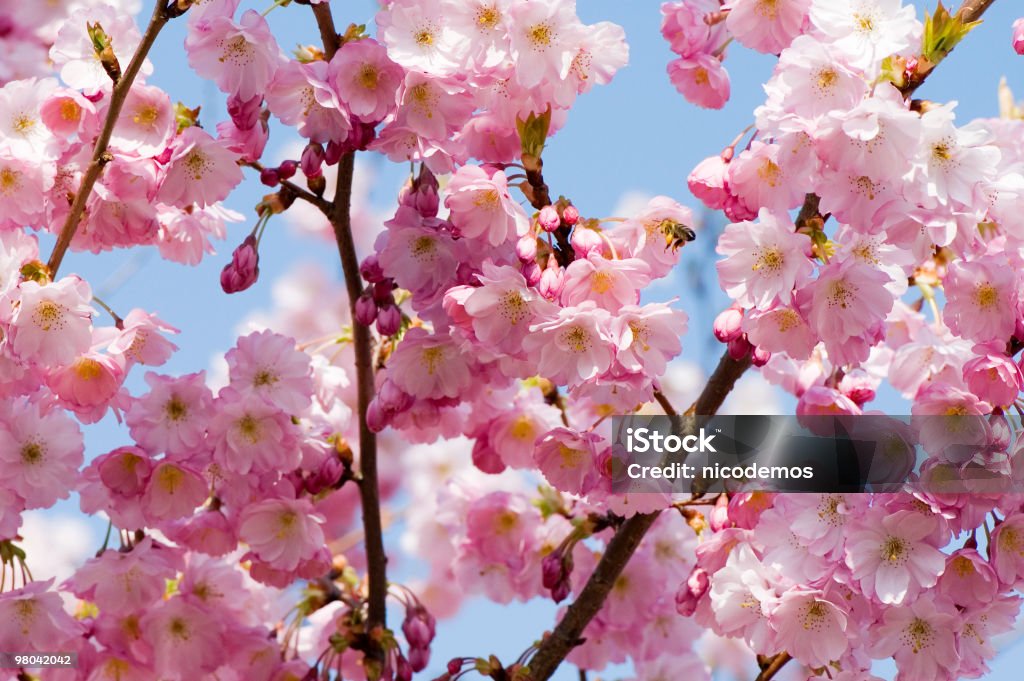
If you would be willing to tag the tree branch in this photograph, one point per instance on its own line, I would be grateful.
(566, 635)
(339, 214)
(774, 665)
(297, 191)
(100, 156)
(970, 10)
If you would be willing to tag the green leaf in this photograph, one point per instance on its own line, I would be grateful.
(942, 32)
(533, 132)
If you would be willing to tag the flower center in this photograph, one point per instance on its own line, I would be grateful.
(175, 409)
(894, 551)
(146, 116)
(10, 181)
(487, 18)
(369, 76)
(512, 307)
(424, 37)
(249, 427)
(918, 635)
(770, 259)
(196, 164)
(23, 124)
(540, 35)
(32, 453)
(577, 338)
(238, 51)
(48, 316)
(432, 358)
(986, 295)
(770, 172)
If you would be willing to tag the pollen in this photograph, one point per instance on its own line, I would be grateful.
(769, 260)
(423, 98)
(841, 294)
(962, 566)
(865, 187)
(10, 181)
(942, 152)
(25, 612)
(146, 116)
(825, 80)
(602, 281)
(641, 334)
(513, 307)
(487, 199)
(33, 453)
(423, 248)
(1010, 540)
(522, 428)
(238, 51)
(286, 524)
(424, 37)
(368, 76)
(541, 35)
(770, 173)
(49, 316)
(170, 478)
(986, 296)
(787, 320)
(249, 428)
(894, 551)
(769, 9)
(432, 359)
(308, 100)
(506, 521)
(814, 616)
(700, 76)
(264, 377)
(918, 635)
(828, 508)
(88, 369)
(487, 18)
(23, 124)
(196, 164)
(70, 110)
(571, 458)
(577, 339)
(175, 409)
(178, 628)
(865, 22)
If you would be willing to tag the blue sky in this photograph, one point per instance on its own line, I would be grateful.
(636, 134)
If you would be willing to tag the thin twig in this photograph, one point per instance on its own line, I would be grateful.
(100, 156)
(970, 10)
(296, 190)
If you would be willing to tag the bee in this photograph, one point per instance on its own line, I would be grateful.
(676, 234)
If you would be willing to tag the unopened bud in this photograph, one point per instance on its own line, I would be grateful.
(526, 248)
(312, 160)
(548, 219)
(571, 215)
(584, 241)
(366, 310)
(389, 320)
(371, 269)
(760, 357)
(728, 324)
(739, 347)
(244, 268)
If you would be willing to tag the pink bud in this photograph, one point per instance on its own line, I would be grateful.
(571, 215)
(728, 324)
(585, 240)
(287, 169)
(454, 665)
(244, 268)
(526, 248)
(392, 398)
(245, 114)
(366, 310)
(270, 177)
(548, 219)
(760, 357)
(691, 591)
(707, 182)
(1018, 36)
(403, 668)
(551, 280)
(531, 272)
(125, 471)
(739, 347)
(389, 320)
(419, 658)
(371, 269)
(333, 152)
(718, 519)
(858, 386)
(312, 160)
(382, 292)
(376, 417)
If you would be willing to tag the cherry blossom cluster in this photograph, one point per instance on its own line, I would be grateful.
(497, 326)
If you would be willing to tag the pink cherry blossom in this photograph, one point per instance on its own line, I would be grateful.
(303, 96)
(282, 532)
(981, 297)
(701, 79)
(51, 324)
(201, 170)
(568, 459)
(810, 627)
(766, 25)
(269, 365)
(429, 366)
(575, 346)
(481, 207)
(764, 260)
(41, 450)
(74, 53)
(36, 619)
(365, 78)
(241, 58)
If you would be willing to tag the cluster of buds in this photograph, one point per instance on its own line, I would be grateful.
(728, 329)
(377, 302)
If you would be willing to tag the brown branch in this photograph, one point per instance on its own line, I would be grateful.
(566, 635)
(100, 156)
(297, 191)
(970, 10)
(773, 666)
(362, 341)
